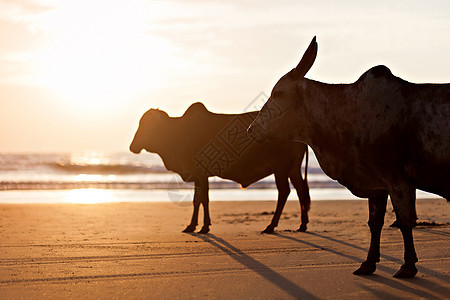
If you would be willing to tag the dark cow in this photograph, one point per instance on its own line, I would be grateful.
(201, 144)
(380, 135)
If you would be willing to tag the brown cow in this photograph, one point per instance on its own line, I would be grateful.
(380, 135)
(201, 144)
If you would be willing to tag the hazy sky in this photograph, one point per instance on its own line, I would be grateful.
(77, 75)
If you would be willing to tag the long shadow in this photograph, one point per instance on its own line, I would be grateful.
(387, 257)
(264, 271)
(433, 231)
(378, 293)
(323, 248)
(398, 284)
(393, 283)
(384, 256)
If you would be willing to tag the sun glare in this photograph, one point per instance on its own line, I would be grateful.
(89, 196)
(89, 158)
(100, 54)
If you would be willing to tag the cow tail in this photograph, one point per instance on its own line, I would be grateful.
(306, 163)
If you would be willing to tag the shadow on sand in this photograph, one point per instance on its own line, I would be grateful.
(393, 283)
(433, 231)
(264, 271)
(384, 256)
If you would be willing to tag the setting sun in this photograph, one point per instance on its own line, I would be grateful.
(96, 56)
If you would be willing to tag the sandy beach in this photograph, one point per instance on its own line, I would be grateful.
(137, 250)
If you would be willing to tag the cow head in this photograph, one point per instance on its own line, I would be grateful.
(150, 133)
(286, 99)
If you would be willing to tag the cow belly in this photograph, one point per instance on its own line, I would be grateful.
(246, 177)
(258, 162)
(361, 181)
(433, 178)
(363, 187)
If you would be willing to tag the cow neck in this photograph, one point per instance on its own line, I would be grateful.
(169, 149)
(329, 137)
(324, 101)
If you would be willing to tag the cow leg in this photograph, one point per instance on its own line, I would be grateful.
(196, 201)
(282, 183)
(377, 210)
(403, 199)
(396, 224)
(205, 202)
(302, 189)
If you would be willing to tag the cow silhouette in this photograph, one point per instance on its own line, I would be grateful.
(201, 144)
(380, 135)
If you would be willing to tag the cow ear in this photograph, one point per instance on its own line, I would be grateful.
(195, 108)
(307, 60)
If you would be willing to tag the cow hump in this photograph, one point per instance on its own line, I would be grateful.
(376, 72)
(195, 109)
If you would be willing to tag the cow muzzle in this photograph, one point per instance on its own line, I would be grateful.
(135, 150)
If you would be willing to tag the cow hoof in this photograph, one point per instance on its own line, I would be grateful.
(406, 271)
(366, 269)
(190, 228)
(302, 228)
(204, 229)
(268, 229)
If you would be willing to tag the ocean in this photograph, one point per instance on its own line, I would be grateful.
(93, 177)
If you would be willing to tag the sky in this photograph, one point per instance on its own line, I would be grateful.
(77, 75)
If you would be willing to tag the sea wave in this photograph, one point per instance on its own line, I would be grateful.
(88, 163)
(112, 171)
(171, 185)
(105, 168)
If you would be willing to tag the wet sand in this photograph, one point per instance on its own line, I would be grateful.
(137, 250)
